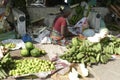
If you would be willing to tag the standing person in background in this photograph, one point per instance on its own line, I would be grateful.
(8, 13)
(60, 29)
(21, 5)
(9, 5)
(8, 16)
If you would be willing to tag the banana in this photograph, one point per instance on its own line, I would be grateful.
(75, 41)
(87, 59)
(104, 59)
(82, 60)
(83, 44)
(99, 46)
(111, 49)
(108, 50)
(101, 59)
(92, 54)
(108, 56)
(98, 57)
(80, 55)
(87, 53)
(81, 48)
(92, 59)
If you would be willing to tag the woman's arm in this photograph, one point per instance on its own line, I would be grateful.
(65, 32)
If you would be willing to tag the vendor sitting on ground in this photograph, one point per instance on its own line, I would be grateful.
(60, 29)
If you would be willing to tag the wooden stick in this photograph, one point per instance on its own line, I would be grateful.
(75, 5)
(118, 7)
(115, 10)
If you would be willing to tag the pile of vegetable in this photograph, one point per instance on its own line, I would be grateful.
(84, 51)
(76, 17)
(12, 67)
(4, 62)
(31, 50)
(9, 45)
(29, 66)
(79, 13)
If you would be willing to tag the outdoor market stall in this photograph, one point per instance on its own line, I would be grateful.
(33, 56)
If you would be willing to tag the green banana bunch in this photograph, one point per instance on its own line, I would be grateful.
(104, 59)
(80, 55)
(92, 60)
(117, 50)
(98, 57)
(84, 51)
(75, 41)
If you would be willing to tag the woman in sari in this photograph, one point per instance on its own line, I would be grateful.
(60, 27)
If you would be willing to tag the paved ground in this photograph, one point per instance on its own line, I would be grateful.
(109, 71)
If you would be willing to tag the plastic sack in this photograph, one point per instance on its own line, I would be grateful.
(83, 23)
(41, 36)
(63, 64)
(73, 75)
(46, 40)
(88, 33)
(27, 38)
(94, 19)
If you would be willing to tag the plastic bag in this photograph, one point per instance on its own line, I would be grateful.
(18, 42)
(44, 34)
(46, 40)
(27, 38)
(79, 26)
(94, 20)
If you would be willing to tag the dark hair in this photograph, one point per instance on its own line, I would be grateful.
(63, 9)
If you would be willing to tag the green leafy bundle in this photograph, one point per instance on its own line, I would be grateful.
(4, 62)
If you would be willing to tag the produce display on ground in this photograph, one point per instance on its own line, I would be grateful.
(31, 50)
(84, 51)
(21, 67)
(79, 51)
(29, 66)
(26, 66)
